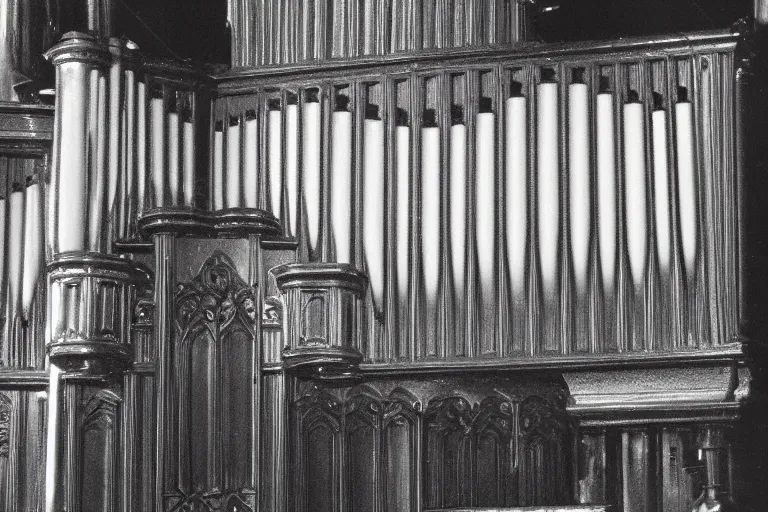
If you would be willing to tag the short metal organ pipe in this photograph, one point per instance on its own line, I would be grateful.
(158, 147)
(373, 203)
(250, 160)
(310, 158)
(341, 180)
(275, 158)
(218, 166)
(579, 183)
(234, 183)
(485, 205)
(458, 201)
(403, 204)
(662, 198)
(292, 163)
(516, 201)
(188, 166)
(33, 243)
(635, 189)
(430, 208)
(686, 179)
(174, 158)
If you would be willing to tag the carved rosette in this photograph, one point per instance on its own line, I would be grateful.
(322, 317)
(90, 305)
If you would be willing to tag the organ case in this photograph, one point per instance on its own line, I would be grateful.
(409, 278)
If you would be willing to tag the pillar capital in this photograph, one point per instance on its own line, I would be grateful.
(323, 317)
(79, 47)
(91, 297)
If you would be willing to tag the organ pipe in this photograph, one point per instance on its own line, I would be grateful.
(311, 141)
(373, 203)
(403, 205)
(174, 161)
(430, 206)
(157, 113)
(4, 243)
(250, 160)
(71, 97)
(33, 236)
(661, 190)
(275, 143)
(686, 178)
(606, 188)
(15, 250)
(99, 140)
(188, 134)
(485, 194)
(115, 133)
(579, 178)
(141, 153)
(517, 192)
(458, 199)
(341, 180)
(548, 193)
(291, 164)
(233, 176)
(634, 180)
(218, 166)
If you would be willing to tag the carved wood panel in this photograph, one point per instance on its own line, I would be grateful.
(23, 416)
(377, 447)
(213, 352)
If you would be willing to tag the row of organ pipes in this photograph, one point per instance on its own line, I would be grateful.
(140, 135)
(21, 257)
(617, 193)
(289, 31)
(556, 209)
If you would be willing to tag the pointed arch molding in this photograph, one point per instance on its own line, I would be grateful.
(454, 449)
(212, 350)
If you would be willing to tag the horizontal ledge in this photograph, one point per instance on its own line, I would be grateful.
(142, 368)
(550, 508)
(14, 107)
(692, 412)
(725, 353)
(230, 222)
(320, 275)
(236, 81)
(24, 378)
(132, 246)
(85, 263)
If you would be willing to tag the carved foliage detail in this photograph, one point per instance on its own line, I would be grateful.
(5, 425)
(213, 502)
(215, 298)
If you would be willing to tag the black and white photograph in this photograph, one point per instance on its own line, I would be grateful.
(383, 255)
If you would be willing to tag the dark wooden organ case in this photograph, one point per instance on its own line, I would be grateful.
(398, 258)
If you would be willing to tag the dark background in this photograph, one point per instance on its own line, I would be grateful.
(197, 29)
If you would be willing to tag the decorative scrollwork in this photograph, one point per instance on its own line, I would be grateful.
(213, 501)
(215, 298)
(541, 419)
(452, 413)
(273, 312)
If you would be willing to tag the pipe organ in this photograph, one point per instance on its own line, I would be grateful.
(399, 257)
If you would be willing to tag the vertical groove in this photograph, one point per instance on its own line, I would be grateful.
(165, 257)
